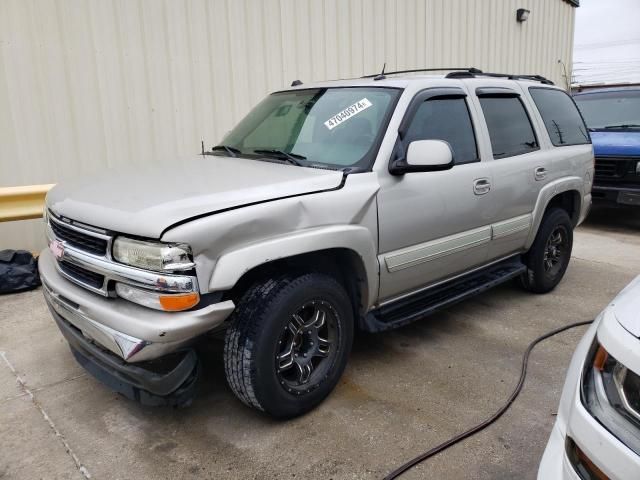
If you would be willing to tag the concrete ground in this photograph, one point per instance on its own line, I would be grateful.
(403, 392)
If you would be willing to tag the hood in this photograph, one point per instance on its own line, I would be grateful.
(626, 307)
(145, 201)
(619, 143)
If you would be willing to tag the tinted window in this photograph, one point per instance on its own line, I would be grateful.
(445, 119)
(560, 116)
(510, 130)
(611, 110)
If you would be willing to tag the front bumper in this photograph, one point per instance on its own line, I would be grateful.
(620, 195)
(132, 332)
(615, 459)
(170, 381)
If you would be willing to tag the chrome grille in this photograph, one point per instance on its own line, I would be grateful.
(83, 256)
(80, 240)
(84, 239)
(87, 277)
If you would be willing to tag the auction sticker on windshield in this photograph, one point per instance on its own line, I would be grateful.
(347, 113)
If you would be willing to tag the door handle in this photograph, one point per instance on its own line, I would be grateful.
(481, 186)
(540, 173)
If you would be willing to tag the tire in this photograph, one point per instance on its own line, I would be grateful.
(547, 260)
(275, 324)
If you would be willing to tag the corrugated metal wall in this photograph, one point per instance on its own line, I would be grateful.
(89, 84)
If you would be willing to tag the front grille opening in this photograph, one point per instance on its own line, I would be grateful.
(165, 364)
(615, 168)
(82, 241)
(606, 168)
(83, 275)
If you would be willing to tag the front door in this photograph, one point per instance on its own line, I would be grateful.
(433, 225)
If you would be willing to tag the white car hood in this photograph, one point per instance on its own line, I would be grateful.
(626, 307)
(145, 201)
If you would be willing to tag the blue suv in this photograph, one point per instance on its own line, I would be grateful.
(613, 118)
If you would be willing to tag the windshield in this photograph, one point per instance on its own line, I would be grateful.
(334, 127)
(602, 110)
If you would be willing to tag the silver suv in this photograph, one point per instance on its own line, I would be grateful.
(357, 204)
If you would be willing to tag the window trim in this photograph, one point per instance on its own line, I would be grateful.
(584, 123)
(499, 92)
(496, 92)
(398, 153)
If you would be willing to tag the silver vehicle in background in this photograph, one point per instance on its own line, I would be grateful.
(334, 206)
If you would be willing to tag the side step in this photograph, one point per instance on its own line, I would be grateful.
(421, 304)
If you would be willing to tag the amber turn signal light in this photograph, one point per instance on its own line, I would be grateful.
(600, 358)
(175, 303)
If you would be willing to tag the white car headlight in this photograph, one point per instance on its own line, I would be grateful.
(156, 256)
(611, 394)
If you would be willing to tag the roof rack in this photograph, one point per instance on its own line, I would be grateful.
(463, 72)
(380, 76)
(510, 76)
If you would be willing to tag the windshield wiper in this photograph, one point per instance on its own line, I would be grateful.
(624, 125)
(288, 156)
(231, 151)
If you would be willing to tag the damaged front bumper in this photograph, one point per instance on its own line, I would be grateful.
(142, 353)
(130, 331)
(170, 380)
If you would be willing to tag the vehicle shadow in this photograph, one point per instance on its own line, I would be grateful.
(618, 219)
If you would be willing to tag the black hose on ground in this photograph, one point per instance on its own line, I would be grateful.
(481, 426)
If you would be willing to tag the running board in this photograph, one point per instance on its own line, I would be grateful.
(422, 304)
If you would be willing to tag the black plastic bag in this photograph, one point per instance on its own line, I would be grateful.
(18, 271)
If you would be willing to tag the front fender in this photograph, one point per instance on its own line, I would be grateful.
(547, 193)
(233, 264)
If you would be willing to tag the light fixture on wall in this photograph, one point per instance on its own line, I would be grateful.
(522, 14)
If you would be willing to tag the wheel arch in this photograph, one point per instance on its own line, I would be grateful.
(347, 253)
(569, 200)
(565, 194)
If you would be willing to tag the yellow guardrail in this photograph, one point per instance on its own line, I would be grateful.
(22, 203)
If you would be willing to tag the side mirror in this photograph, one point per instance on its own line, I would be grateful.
(425, 156)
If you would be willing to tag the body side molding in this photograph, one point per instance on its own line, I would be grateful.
(434, 249)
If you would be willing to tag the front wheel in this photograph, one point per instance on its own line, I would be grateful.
(549, 256)
(288, 343)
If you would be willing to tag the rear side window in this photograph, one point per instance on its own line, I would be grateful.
(509, 126)
(445, 119)
(560, 116)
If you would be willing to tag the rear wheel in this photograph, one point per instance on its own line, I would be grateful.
(549, 256)
(288, 343)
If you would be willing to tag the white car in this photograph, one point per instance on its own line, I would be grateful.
(597, 430)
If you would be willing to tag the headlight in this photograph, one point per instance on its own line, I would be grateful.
(638, 168)
(611, 394)
(156, 256)
(169, 302)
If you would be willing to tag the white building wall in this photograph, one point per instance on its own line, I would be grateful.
(93, 84)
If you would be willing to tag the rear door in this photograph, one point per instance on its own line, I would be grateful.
(520, 166)
(566, 132)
